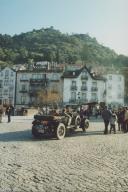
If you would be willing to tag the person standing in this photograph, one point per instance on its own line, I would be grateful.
(8, 112)
(126, 120)
(113, 121)
(1, 113)
(106, 115)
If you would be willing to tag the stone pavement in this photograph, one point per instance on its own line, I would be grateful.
(82, 162)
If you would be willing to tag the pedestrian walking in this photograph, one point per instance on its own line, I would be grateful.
(8, 112)
(106, 115)
(1, 113)
(113, 120)
(126, 119)
(119, 119)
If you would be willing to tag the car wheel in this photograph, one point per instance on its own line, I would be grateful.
(35, 132)
(77, 122)
(86, 125)
(60, 131)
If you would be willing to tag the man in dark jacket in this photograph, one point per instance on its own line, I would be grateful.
(106, 115)
(8, 112)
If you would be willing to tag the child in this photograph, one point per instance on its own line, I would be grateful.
(113, 120)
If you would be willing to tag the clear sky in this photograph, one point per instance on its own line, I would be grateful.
(107, 20)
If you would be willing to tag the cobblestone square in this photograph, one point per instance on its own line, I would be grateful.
(85, 162)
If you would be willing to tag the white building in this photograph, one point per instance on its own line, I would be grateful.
(80, 86)
(7, 86)
(115, 89)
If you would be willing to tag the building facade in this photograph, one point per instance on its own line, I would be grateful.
(115, 89)
(81, 87)
(36, 87)
(7, 86)
(33, 87)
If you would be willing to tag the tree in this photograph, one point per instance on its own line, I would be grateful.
(48, 97)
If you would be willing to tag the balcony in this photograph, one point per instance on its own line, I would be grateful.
(73, 88)
(24, 80)
(84, 88)
(94, 100)
(94, 89)
(23, 91)
(38, 81)
(72, 100)
(84, 77)
(55, 80)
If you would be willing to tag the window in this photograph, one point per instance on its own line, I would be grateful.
(23, 99)
(94, 96)
(74, 83)
(24, 76)
(5, 92)
(11, 73)
(84, 83)
(84, 73)
(83, 96)
(34, 76)
(73, 96)
(5, 101)
(94, 84)
(6, 82)
(6, 74)
(119, 96)
(110, 77)
(1, 83)
(23, 87)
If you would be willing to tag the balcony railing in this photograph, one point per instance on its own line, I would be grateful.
(38, 81)
(93, 100)
(84, 77)
(55, 80)
(72, 100)
(73, 87)
(94, 89)
(24, 79)
(84, 88)
(23, 91)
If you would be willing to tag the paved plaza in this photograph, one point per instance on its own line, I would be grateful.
(81, 162)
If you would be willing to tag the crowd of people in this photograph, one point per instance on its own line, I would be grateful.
(8, 110)
(113, 117)
(117, 119)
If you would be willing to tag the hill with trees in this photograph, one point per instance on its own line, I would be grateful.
(49, 44)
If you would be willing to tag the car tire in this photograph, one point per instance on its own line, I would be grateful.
(60, 131)
(86, 124)
(77, 122)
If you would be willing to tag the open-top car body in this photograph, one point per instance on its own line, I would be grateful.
(57, 126)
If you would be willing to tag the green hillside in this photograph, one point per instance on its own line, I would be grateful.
(49, 44)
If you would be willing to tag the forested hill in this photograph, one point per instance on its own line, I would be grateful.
(48, 44)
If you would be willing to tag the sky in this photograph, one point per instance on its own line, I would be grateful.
(107, 20)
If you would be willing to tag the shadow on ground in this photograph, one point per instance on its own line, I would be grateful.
(27, 136)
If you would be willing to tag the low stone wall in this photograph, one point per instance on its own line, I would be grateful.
(31, 112)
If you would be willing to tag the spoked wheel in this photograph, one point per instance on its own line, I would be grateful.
(77, 122)
(86, 124)
(60, 131)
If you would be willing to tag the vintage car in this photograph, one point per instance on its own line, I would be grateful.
(57, 126)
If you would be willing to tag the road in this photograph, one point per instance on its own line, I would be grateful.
(82, 162)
